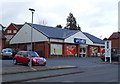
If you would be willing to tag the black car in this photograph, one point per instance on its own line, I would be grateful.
(114, 57)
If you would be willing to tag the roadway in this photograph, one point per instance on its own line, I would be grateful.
(94, 71)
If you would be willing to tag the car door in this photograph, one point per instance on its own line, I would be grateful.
(20, 57)
(17, 56)
(24, 58)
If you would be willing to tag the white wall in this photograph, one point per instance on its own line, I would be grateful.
(78, 35)
(96, 44)
(56, 40)
(24, 36)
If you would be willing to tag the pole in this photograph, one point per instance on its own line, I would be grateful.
(31, 31)
(32, 10)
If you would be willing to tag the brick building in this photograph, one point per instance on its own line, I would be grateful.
(115, 39)
(2, 38)
(56, 42)
(11, 30)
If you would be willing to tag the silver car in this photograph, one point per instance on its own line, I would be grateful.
(7, 53)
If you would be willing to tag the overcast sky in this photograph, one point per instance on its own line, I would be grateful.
(97, 17)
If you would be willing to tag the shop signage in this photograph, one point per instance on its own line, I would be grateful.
(80, 41)
(108, 49)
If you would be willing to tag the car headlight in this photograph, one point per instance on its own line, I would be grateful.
(11, 53)
(34, 60)
(44, 59)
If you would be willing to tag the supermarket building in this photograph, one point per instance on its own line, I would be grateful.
(57, 42)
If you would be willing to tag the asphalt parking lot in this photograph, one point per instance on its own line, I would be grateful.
(87, 62)
(91, 65)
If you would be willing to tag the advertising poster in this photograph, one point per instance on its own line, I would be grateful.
(71, 50)
(94, 51)
(56, 49)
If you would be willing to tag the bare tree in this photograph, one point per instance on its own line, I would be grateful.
(42, 22)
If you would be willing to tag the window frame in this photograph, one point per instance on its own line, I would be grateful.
(15, 31)
(9, 31)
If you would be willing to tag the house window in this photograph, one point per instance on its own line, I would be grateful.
(15, 31)
(9, 31)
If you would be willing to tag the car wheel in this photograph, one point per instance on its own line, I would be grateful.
(103, 59)
(43, 64)
(15, 61)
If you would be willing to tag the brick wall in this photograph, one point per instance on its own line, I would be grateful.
(12, 28)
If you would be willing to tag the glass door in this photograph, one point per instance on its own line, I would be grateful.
(83, 52)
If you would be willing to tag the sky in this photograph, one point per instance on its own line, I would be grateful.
(97, 17)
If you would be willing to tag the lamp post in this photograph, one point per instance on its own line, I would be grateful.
(32, 10)
(30, 62)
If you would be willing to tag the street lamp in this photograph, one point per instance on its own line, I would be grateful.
(32, 10)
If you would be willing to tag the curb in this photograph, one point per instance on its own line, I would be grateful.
(23, 80)
(109, 62)
(33, 69)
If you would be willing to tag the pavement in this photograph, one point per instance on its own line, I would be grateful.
(25, 69)
(24, 73)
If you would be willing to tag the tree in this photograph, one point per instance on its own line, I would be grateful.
(71, 22)
(59, 26)
(79, 28)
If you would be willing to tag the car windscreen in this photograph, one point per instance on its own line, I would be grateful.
(33, 54)
(4, 50)
(9, 50)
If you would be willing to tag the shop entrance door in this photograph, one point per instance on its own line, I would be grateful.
(83, 52)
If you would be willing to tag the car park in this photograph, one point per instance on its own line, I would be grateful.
(29, 57)
(114, 57)
(7, 53)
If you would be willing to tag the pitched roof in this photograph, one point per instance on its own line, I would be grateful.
(52, 32)
(115, 35)
(18, 26)
(93, 38)
(2, 26)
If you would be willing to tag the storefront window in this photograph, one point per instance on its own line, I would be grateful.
(71, 50)
(56, 49)
(94, 51)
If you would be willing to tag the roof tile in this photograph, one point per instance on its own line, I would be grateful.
(52, 32)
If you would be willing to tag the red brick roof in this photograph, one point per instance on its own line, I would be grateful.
(115, 35)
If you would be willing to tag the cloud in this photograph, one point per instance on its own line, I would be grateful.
(16, 12)
(91, 15)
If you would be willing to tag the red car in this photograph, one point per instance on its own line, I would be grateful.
(25, 56)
